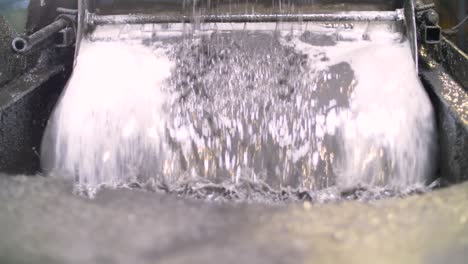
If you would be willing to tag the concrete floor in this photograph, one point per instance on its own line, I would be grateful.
(41, 221)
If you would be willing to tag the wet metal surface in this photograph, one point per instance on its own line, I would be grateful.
(451, 101)
(262, 120)
(452, 59)
(43, 222)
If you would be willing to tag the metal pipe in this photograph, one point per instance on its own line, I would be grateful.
(94, 19)
(24, 44)
(67, 11)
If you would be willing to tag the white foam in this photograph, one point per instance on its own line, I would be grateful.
(390, 113)
(111, 122)
(112, 106)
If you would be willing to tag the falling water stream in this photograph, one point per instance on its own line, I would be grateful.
(244, 111)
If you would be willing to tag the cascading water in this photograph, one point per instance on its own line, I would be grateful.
(297, 107)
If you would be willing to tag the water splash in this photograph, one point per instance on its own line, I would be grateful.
(107, 125)
(302, 108)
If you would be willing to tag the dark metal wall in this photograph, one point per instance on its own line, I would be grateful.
(451, 13)
(443, 70)
(29, 88)
(23, 122)
(11, 65)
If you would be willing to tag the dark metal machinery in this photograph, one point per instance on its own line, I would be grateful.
(63, 25)
(30, 84)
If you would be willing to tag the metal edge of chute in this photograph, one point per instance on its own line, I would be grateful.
(410, 21)
(83, 6)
